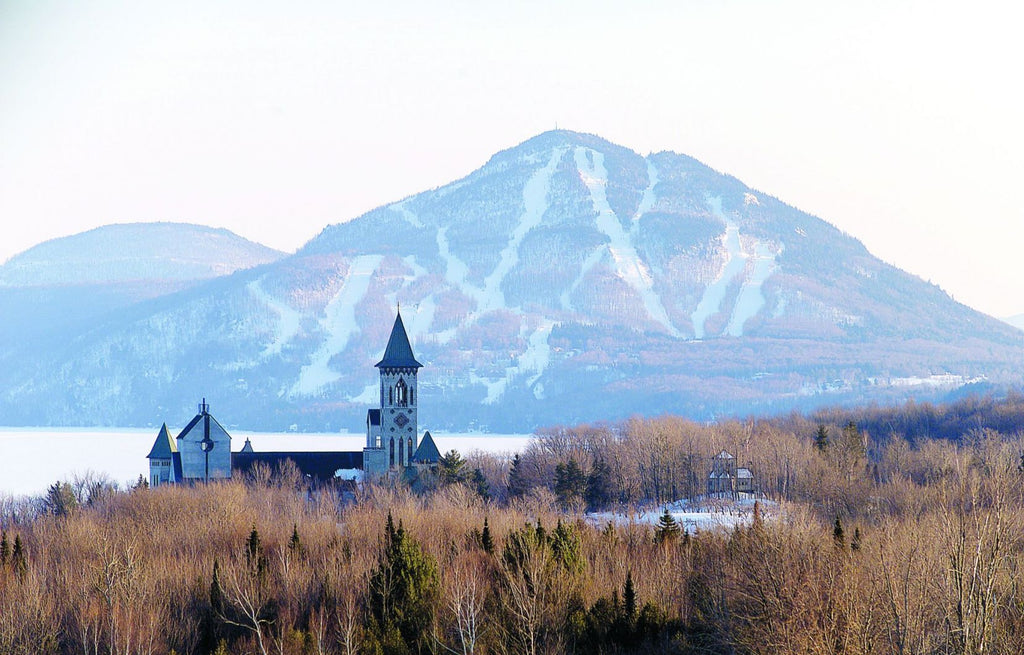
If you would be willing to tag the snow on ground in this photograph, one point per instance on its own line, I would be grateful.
(751, 299)
(288, 321)
(589, 263)
(31, 459)
(628, 264)
(456, 270)
(339, 323)
(406, 213)
(535, 203)
(648, 199)
(711, 302)
(694, 515)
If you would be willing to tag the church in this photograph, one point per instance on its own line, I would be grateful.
(202, 451)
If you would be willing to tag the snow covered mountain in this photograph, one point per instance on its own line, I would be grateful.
(568, 279)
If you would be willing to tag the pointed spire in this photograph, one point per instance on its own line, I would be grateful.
(398, 353)
(164, 445)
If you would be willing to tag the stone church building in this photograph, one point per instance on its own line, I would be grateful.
(202, 451)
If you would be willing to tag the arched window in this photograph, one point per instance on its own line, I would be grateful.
(411, 453)
(391, 395)
(412, 396)
(401, 459)
(401, 393)
(392, 450)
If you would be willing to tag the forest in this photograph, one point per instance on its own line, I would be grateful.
(863, 541)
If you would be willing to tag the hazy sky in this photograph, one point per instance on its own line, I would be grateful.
(900, 122)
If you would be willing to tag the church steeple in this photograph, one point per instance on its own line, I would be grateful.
(398, 353)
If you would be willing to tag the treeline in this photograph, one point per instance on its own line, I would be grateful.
(250, 568)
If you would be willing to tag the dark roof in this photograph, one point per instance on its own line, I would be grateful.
(215, 426)
(320, 466)
(398, 354)
(427, 453)
(373, 416)
(176, 464)
(164, 446)
(247, 448)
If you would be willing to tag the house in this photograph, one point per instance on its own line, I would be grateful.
(726, 477)
(202, 451)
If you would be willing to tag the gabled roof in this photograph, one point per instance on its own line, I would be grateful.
(744, 473)
(247, 448)
(398, 354)
(427, 453)
(723, 455)
(164, 446)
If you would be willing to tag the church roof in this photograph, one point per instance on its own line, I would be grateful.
(398, 354)
(247, 448)
(164, 446)
(427, 453)
(373, 417)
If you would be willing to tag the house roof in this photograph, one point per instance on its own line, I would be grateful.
(373, 417)
(216, 429)
(744, 473)
(427, 452)
(247, 448)
(164, 447)
(398, 353)
(319, 466)
(724, 455)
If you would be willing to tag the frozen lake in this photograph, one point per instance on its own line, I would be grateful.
(31, 459)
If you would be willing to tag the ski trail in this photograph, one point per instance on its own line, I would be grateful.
(535, 203)
(628, 265)
(648, 199)
(339, 323)
(711, 302)
(288, 319)
(456, 271)
(535, 359)
(406, 213)
(589, 263)
(751, 299)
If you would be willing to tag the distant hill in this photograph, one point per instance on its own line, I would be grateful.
(1016, 321)
(135, 252)
(568, 279)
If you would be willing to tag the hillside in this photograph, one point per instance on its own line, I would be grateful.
(568, 279)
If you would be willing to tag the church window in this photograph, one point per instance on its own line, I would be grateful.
(391, 395)
(392, 455)
(410, 448)
(400, 458)
(412, 396)
(401, 393)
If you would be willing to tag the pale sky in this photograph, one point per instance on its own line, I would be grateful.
(898, 121)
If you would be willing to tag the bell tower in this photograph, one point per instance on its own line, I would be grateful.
(398, 398)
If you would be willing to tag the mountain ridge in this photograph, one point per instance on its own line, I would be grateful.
(567, 279)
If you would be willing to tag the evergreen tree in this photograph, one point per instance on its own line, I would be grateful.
(821, 438)
(5, 549)
(517, 485)
(294, 545)
(486, 540)
(855, 543)
(480, 484)
(629, 598)
(452, 468)
(60, 499)
(570, 483)
(253, 547)
(838, 537)
(19, 562)
(600, 486)
(216, 593)
(565, 544)
(667, 530)
(403, 591)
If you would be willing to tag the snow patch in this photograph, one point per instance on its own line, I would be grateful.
(628, 264)
(751, 299)
(696, 515)
(589, 263)
(352, 475)
(648, 199)
(339, 323)
(288, 319)
(406, 213)
(750, 199)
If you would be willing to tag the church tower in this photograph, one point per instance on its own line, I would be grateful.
(392, 430)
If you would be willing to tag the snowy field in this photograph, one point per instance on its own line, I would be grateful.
(31, 459)
(695, 515)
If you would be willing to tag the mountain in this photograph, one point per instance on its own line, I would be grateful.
(67, 284)
(568, 279)
(1016, 321)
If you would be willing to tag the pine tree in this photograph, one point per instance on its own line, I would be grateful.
(18, 560)
(486, 540)
(517, 485)
(821, 438)
(570, 483)
(667, 530)
(452, 468)
(600, 486)
(216, 593)
(5, 549)
(480, 484)
(294, 545)
(629, 598)
(565, 544)
(253, 547)
(855, 543)
(838, 537)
